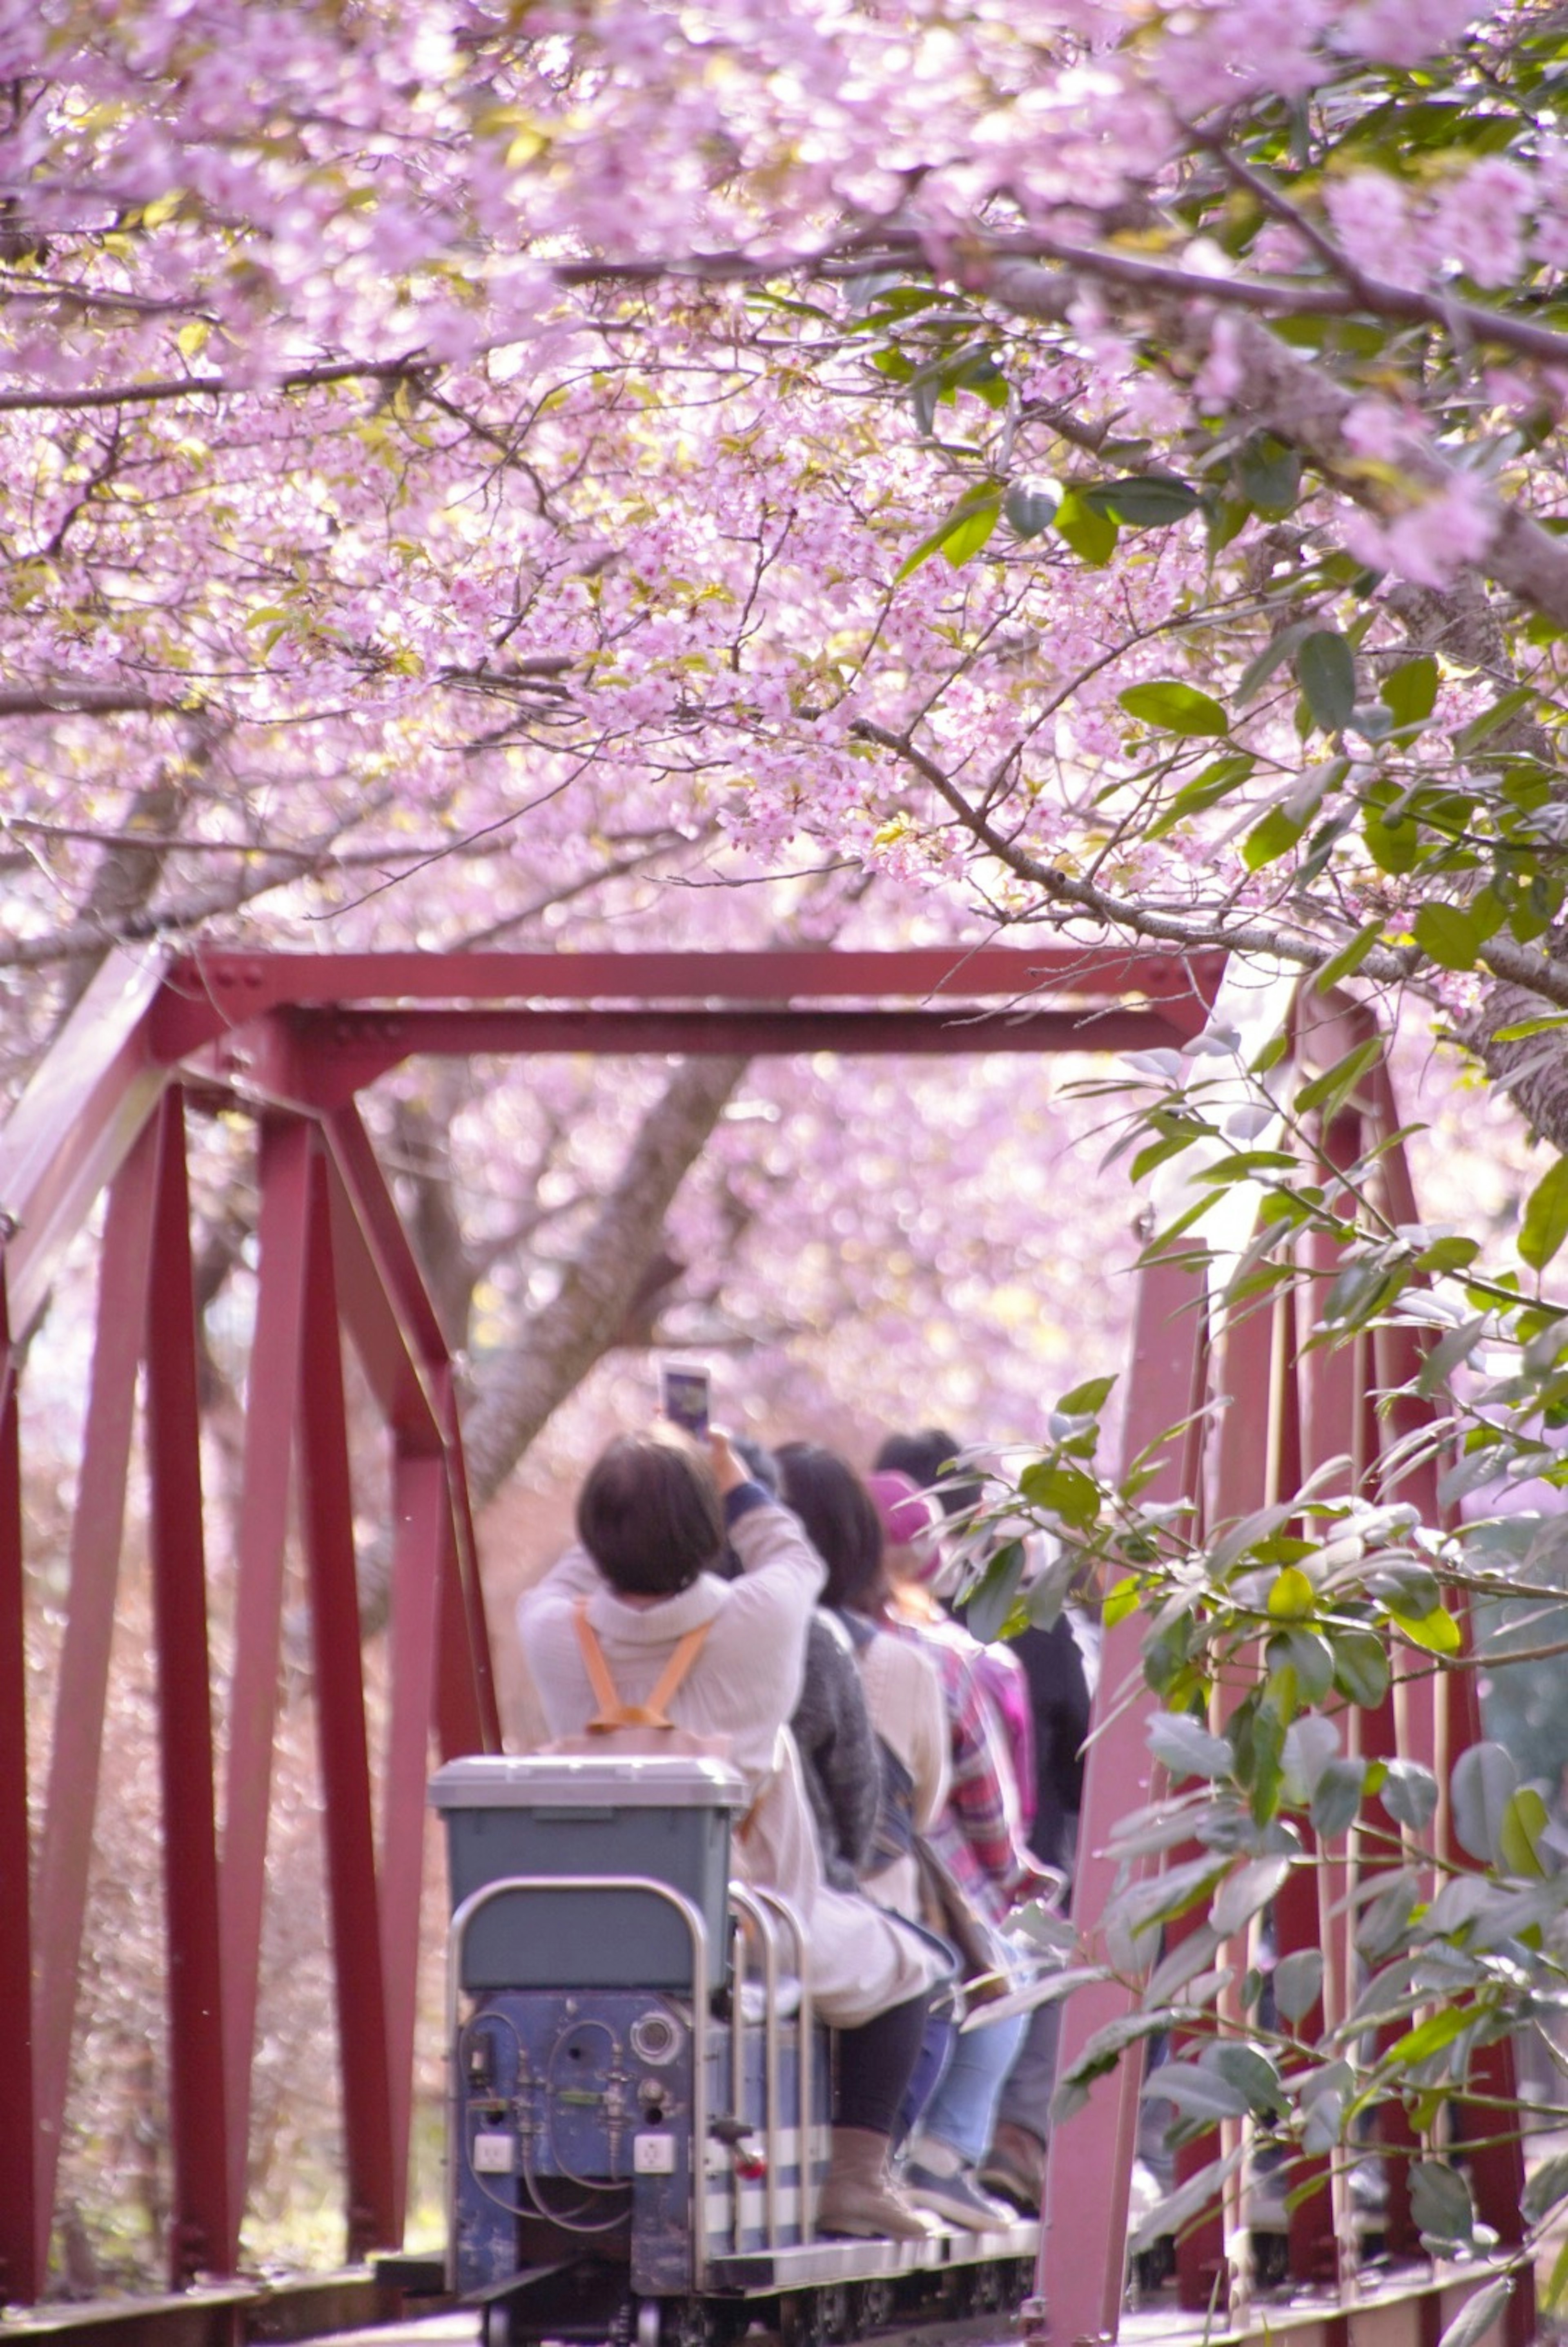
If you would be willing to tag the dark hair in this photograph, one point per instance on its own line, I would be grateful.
(839, 1518)
(757, 1461)
(927, 1458)
(650, 1516)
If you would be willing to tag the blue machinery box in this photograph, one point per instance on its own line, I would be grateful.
(545, 1815)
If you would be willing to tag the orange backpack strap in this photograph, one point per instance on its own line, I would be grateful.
(674, 1672)
(612, 1712)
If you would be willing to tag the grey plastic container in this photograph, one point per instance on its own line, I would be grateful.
(547, 1814)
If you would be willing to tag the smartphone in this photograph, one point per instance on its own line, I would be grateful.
(684, 1391)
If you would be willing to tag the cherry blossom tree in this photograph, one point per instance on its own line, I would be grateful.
(885, 464)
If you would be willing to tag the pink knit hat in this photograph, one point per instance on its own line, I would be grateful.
(908, 1518)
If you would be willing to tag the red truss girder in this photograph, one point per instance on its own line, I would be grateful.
(292, 1037)
(1285, 1408)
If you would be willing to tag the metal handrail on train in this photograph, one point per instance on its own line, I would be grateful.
(748, 1910)
(804, 2016)
(534, 1885)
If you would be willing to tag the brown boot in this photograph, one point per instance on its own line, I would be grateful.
(857, 2194)
(1015, 2167)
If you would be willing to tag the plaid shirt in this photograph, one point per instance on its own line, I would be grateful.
(979, 1833)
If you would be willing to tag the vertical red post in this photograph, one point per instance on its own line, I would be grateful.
(1249, 1384)
(270, 1408)
(375, 2178)
(468, 1717)
(203, 2228)
(71, 1798)
(21, 2266)
(422, 1518)
(1082, 2240)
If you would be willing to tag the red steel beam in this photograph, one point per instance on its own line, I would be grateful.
(272, 1387)
(422, 1519)
(71, 1797)
(374, 2184)
(390, 1315)
(320, 1059)
(385, 1307)
(208, 994)
(70, 1132)
(202, 2226)
(467, 1712)
(21, 2264)
(1089, 2172)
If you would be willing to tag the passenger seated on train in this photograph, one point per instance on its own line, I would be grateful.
(652, 1518)
(1060, 1665)
(842, 1521)
(831, 1726)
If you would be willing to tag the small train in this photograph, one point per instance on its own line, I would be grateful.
(639, 2091)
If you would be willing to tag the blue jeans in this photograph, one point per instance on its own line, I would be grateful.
(962, 2111)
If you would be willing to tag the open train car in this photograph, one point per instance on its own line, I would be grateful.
(639, 2091)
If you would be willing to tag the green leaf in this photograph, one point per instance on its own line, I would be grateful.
(1274, 836)
(1298, 1982)
(1292, 1597)
(1394, 847)
(1091, 535)
(991, 1600)
(1270, 475)
(960, 533)
(1336, 1797)
(1436, 1633)
(1173, 2215)
(1196, 2092)
(1275, 653)
(1410, 690)
(1187, 1748)
(1524, 1820)
(1065, 1491)
(1556, 2289)
(1410, 1793)
(1440, 2202)
(1088, 1399)
(1145, 500)
(1120, 1602)
(1449, 934)
(1545, 1224)
(1546, 2187)
(1311, 1660)
(1217, 781)
(1360, 1667)
(1174, 707)
(1446, 1356)
(1480, 729)
(1429, 2036)
(1241, 1894)
(1331, 1090)
(1484, 1780)
(1479, 2315)
(1250, 2070)
(1326, 669)
(1522, 1029)
(1031, 508)
(1350, 957)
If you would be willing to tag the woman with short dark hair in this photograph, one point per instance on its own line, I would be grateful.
(652, 1519)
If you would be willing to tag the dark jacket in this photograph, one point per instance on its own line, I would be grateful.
(1059, 1696)
(839, 1753)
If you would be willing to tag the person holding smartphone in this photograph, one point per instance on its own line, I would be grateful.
(651, 1521)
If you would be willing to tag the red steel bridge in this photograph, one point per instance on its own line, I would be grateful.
(291, 1041)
